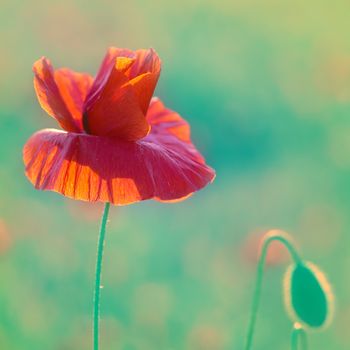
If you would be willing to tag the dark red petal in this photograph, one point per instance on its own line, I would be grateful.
(147, 61)
(104, 169)
(144, 75)
(104, 72)
(168, 128)
(119, 98)
(49, 95)
(117, 112)
(73, 88)
(143, 88)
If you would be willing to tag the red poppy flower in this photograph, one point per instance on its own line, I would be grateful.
(119, 144)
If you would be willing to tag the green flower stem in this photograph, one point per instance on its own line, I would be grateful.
(100, 246)
(283, 238)
(298, 338)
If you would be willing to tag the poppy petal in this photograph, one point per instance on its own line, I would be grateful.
(143, 87)
(121, 93)
(104, 72)
(147, 61)
(117, 112)
(170, 129)
(95, 168)
(73, 88)
(49, 95)
(145, 74)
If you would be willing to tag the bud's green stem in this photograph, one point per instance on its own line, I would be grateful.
(298, 338)
(274, 235)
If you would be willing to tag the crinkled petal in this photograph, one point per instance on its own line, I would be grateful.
(73, 88)
(147, 61)
(144, 75)
(143, 88)
(117, 112)
(94, 168)
(49, 95)
(117, 103)
(104, 72)
(170, 129)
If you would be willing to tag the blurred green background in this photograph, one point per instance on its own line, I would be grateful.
(266, 88)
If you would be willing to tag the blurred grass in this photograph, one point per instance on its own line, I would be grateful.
(266, 88)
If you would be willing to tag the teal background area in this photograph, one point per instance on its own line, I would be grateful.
(265, 86)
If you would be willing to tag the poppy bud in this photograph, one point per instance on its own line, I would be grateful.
(308, 296)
